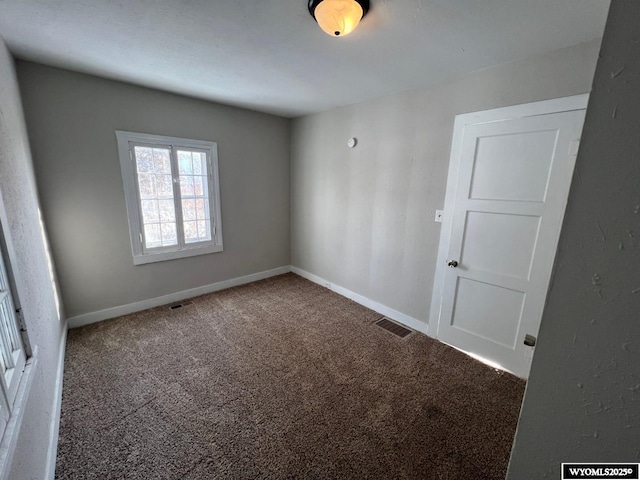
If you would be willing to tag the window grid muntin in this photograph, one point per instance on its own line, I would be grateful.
(10, 341)
(207, 182)
(4, 413)
(190, 175)
(7, 345)
(5, 289)
(12, 355)
(155, 171)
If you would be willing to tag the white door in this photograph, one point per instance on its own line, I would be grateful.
(506, 198)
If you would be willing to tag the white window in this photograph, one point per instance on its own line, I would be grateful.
(173, 196)
(12, 355)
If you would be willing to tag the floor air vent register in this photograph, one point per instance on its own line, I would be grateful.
(175, 306)
(393, 327)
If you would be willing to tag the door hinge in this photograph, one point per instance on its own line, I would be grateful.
(574, 146)
(140, 235)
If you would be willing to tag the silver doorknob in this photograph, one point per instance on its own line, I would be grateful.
(452, 263)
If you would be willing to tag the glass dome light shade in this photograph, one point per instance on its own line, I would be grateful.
(338, 17)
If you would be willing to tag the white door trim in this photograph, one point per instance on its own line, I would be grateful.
(556, 105)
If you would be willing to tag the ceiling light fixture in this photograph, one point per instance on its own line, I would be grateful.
(338, 17)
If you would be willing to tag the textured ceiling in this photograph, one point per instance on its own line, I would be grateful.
(270, 55)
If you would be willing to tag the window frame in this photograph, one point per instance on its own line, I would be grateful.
(14, 391)
(11, 373)
(127, 141)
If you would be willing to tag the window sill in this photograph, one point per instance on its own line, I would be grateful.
(163, 256)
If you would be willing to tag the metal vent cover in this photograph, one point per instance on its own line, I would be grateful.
(393, 327)
(175, 306)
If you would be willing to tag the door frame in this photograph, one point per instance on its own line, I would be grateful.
(544, 107)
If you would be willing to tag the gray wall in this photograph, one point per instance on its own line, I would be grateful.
(363, 218)
(582, 402)
(71, 120)
(34, 285)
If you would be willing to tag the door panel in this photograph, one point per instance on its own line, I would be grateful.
(510, 186)
(488, 238)
(487, 311)
(525, 179)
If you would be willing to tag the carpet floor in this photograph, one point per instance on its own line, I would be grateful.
(277, 379)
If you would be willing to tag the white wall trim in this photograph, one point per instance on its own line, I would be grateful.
(54, 429)
(532, 109)
(400, 317)
(93, 317)
(12, 432)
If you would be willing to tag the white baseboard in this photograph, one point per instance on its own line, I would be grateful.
(57, 408)
(399, 317)
(113, 312)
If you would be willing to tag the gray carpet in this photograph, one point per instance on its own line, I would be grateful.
(277, 379)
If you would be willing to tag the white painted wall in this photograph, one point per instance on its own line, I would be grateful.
(72, 119)
(582, 402)
(46, 330)
(363, 218)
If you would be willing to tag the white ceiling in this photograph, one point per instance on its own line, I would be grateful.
(270, 55)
